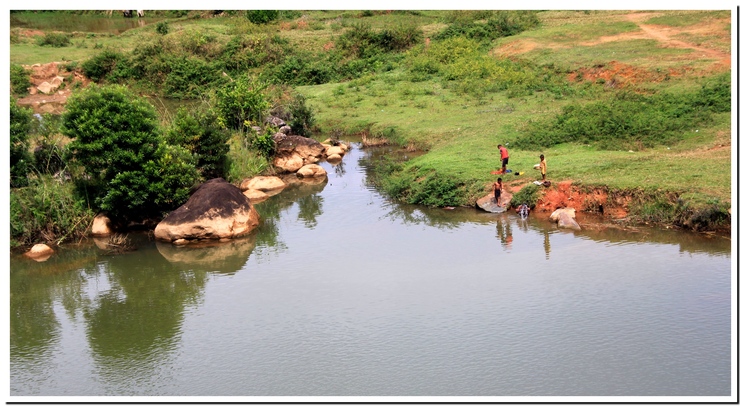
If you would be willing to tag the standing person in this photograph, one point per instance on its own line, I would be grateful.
(504, 157)
(543, 166)
(497, 187)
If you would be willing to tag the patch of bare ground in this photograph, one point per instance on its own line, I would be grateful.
(565, 194)
(50, 87)
(618, 74)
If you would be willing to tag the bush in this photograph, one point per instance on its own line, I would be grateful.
(54, 39)
(300, 70)
(244, 52)
(629, 120)
(263, 143)
(21, 160)
(109, 65)
(241, 104)
(262, 16)
(528, 195)
(117, 141)
(500, 24)
(199, 132)
(361, 42)
(162, 27)
(20, 80)
(303, 119)
(48, 154)
(188, 78)
(47, 211)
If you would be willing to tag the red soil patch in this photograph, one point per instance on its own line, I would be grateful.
(617, 74)
(564, 194)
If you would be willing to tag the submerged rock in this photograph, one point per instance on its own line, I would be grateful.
(39, 252)
(311, 171)
(264, 184)
(566, 218)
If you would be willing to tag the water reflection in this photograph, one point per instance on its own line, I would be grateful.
(217, 257)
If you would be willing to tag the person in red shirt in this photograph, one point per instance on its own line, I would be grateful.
(504, 157)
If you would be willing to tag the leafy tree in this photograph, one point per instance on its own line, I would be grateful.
(20, 157)
(117, 140)
(199, 132)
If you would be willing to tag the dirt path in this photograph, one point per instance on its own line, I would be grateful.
(664, 35)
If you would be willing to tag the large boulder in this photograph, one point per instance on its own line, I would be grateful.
(217, 210)
(488, 203)
(566, 218)
(290, 149)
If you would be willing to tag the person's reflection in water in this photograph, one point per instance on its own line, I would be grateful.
(503, 233)
(547, 244)
(509, 237)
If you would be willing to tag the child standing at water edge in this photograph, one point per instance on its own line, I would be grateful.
(504, 157)
(497, 191)
(543, 166)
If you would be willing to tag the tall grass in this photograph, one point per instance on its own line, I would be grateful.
(47, 211)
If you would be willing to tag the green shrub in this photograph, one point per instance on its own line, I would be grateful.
(21, 160)
(243, 163)
(361, 41)
(262, 16)
(47, 211)
(528, 195)
(629, 120)
(163, 27)
(48, 155)
(715, 95)
(109, 64)
(199, 132)
(189, 78)
(500, 24)
(117, 141)
(251, 51)
(20, 80)
(263, 143)
(302, 116)
(300, 70)
(436, 191)
(241, 104)
(54, 39)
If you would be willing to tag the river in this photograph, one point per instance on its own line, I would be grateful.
(341, 292)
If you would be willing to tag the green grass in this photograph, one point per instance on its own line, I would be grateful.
(687, 18)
